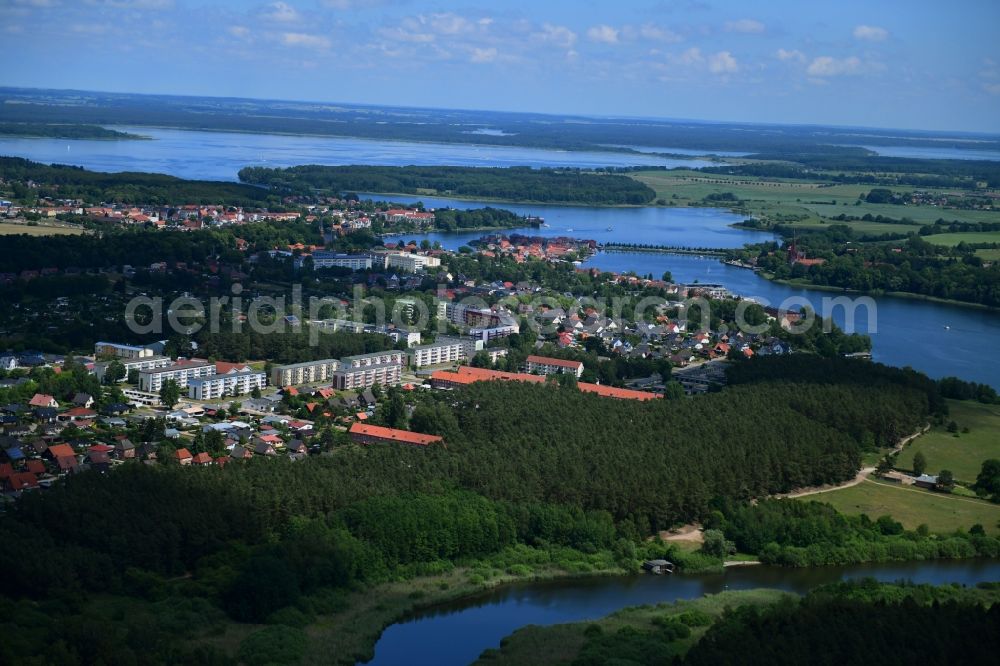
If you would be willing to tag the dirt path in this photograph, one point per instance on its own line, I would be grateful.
(862, 475)
(691, 533)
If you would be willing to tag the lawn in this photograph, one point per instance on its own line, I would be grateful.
(951, 240)
(9, 228)
(963, 455)
(912, 506)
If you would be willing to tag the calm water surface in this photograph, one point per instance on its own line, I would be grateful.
(457, 633)
(220, 155)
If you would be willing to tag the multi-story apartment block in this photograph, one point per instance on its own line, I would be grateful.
(355, 262)
(139, 364)
(304, 373)
(213, 387)
(365, 370)
(543, 365)
(413, 263)
(121, 351)
(151, 381)
(443, 350)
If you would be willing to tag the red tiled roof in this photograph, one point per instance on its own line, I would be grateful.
(41, 400)
(545, 360)
(393, 435)
(222, 367)
(182, 454)
(202, 459)
(612, 392)
(36, 467)
(62, 451)
(101, 448)
(79, 411)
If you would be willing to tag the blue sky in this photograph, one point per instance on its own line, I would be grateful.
(889, 63)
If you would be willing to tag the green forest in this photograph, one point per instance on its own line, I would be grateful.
(59, 181)
(63, 131)
(573, 186)
(521, 479)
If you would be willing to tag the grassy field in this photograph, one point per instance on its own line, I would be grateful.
(9, 228)
(951, 240)
(815, 201)
(964, 454)
(560, 644)
(913, 507)
(989, 255)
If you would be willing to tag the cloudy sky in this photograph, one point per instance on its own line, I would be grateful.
(885, 63)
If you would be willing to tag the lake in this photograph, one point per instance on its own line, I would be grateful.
(903, 331)
(458, 632)
(220, 155)
(943, 152)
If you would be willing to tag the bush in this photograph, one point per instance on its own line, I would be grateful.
(290, 616)
(274, 645)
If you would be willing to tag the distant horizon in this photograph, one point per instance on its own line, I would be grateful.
(596, 116)
(851, 63)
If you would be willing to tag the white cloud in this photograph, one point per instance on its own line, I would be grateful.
(305, 40)
(356, 4)
(992, 88)
(37, 3)
(483, 55)
(723, 62)
(604, 34)
(690, 57)
(281, 12)
(559, 35)
(89, 28)
(746, 26)
(450, 24)
(793, 55)
(130, 4)
(870, 33)
(240, 31)
(657, 34)
(829, 66)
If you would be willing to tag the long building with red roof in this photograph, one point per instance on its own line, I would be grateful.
(362, 433)
(466, 375)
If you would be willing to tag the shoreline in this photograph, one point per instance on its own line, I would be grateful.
(878, 292)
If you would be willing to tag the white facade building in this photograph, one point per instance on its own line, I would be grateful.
(121, 351)
(304, 373)
(213, 387)
(151, 381)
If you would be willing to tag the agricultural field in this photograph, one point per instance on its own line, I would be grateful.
(10, 228)
(964, 454)
(817, 201)
(951, 240)
(989, 255)
(912, 506)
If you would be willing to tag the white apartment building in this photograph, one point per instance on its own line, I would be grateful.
(443, 350)
(365, 370)
(213, 387)
(304, 373)
(121, 351)
(413, 263)
(151, 381)
(543, 365)
(140, 364)
(355, 262)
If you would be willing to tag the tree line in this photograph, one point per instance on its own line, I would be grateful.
(509, 183)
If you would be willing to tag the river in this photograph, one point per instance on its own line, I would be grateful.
(938, 339)
(220, 155)
(458, 632)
